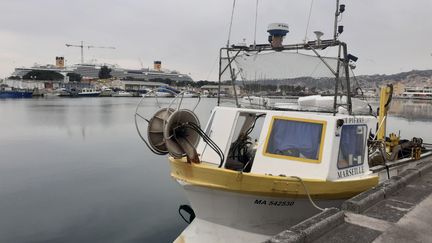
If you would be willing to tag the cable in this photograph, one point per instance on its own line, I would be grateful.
(256, 20)
(361, 90)
(207, 140)
(307, 25)
(212, 68)
(307, 192)
(230, 26)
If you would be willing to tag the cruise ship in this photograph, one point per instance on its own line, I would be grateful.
(91, 71)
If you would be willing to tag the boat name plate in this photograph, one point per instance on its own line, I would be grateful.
(350, 172)
(351, 120)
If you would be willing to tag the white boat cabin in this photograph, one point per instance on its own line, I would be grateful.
(286, 143)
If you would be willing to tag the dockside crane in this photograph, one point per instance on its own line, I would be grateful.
(88, 47)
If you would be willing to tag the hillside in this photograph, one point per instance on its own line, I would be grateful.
(411, 78)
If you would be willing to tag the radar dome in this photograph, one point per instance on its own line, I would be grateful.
(277, 32)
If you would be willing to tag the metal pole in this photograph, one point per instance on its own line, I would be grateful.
(325, 63)
(220, 75)
(335, 21)
(230, 61)
(337, 82)
(233, 78)
(82, 52)
(348, 88)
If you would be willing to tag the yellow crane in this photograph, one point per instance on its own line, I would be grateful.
(88, 47)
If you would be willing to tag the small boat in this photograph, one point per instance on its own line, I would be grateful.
(12, 93)
(189, 94)
(106, 92)
(251, 173)
(166, 91)
(88, 92)
(122, 93)
(255, 101)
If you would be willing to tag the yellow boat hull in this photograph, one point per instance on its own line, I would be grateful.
(209, 176)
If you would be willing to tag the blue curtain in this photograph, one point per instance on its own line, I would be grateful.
(352, 143)
(303, 137)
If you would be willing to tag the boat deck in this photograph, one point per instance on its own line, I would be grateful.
(403, 215)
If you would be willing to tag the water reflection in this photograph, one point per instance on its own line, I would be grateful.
(412, 110)
(74, 170)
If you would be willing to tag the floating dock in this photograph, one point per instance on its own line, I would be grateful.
(397, 210)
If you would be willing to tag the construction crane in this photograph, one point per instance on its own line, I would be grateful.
(82, 49)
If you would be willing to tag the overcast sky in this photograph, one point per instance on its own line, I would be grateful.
(388, 36)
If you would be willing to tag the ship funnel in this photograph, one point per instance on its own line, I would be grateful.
(157, 65)
(277, 32)
(60, 62)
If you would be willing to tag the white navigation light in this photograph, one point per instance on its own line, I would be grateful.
(318, 34)
(277, 32)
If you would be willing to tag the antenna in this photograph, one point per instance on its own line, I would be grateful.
(339, 10)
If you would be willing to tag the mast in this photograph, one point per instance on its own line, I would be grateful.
(337, 13)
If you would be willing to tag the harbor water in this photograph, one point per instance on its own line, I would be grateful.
(75, 170)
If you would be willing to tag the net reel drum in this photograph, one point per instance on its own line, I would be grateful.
(180, 137)
(172, 131)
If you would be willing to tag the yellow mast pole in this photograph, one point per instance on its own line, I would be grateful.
(384, 106)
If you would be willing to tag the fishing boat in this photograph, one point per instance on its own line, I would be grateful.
(89, 92)
(251, 173)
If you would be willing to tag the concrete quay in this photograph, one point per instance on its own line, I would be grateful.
(398, 210)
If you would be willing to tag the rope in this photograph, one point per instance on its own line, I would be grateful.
(307, 192)
(361, 90)
(256, 20)
(230, 26)
(309, 17)
(212, 68)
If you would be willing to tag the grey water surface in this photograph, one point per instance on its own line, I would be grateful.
(75, 170)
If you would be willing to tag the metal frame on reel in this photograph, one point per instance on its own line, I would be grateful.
(168, 110)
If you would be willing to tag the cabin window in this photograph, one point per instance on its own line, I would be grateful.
(352, 146)
(296, 139)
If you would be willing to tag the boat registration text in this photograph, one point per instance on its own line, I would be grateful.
(274, 203)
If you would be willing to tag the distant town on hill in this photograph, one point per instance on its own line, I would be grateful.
(44, 78)
(415, 78)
